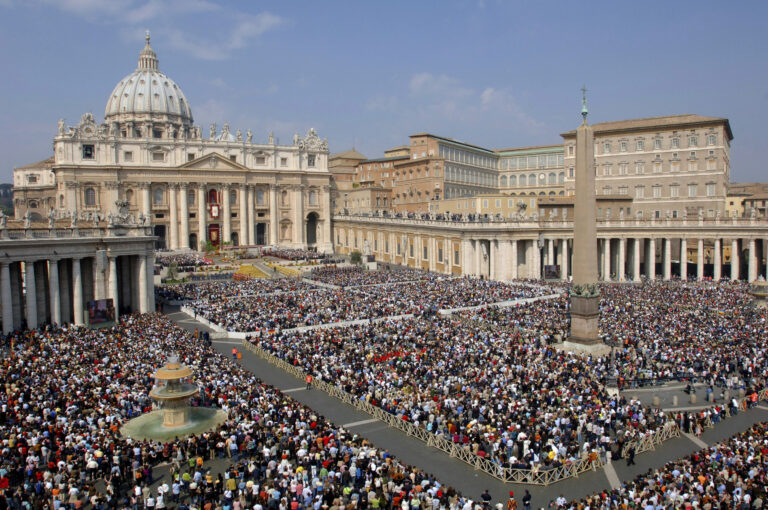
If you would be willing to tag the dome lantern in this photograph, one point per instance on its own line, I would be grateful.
(148, 57)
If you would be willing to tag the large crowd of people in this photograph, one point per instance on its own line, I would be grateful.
(355, 276)
(293, 254)
(732, 474)
(307, 306)
(68, 391)
(188, 259)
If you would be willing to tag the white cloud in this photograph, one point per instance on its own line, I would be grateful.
(238, 29)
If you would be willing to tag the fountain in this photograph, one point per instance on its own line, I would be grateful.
(759, 291)
(173, 417)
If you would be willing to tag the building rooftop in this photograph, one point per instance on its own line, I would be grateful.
(532, 149)
(44, 164)
(650, 123)
(350, 154)
(457, 142)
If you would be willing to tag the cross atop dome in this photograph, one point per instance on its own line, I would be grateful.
(147, 56)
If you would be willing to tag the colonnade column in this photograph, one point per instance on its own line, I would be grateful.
(227, 206)
(717, 272)
(202, 235)
(5, 295)
(683, 259)
(564, 258)
(550, 252)
(77, 292)
(448, 256)
(752, 262)
(636, 260)
(29, 284)
(650, 261)
(513, 259)
(173, 210)
(667, 255)
(53, 289)
(251, 213)
(622, 262)
(478, 257)
(734, 259)
(113, 295)
(466, 257)
(143, 291)
(700, 259)
(607, 260)
(243, 198)
(273, 214)
(536, 260)
(184, 202)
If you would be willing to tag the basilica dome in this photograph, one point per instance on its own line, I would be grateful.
(148, 95)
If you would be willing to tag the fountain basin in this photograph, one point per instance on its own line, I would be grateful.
(151, 426)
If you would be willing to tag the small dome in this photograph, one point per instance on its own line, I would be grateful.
(148, 91)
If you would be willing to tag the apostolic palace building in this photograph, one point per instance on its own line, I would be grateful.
(87, 219)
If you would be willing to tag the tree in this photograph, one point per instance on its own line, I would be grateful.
(356, 258)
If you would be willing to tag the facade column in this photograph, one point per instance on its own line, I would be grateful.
(765, 256)
(146, 200)
(251, 214)
(636, 260)
(173, 217)
(621, 271)
(113, 294)
(53, 289)
(242, 196)
(752, 262)
(564, 259)
(734, 259)
(513, 259)
(273, 235)
(184, 202)
(478, 258)
(607, 260)
(667, 258)
(227, 206)
(326, 198)
(5, 297)
(143, 291)
(717, 273)
(65, 291)
(77, 292)
(700, 259)
(467, 255)
(683, 259)
(536, 260)
(651, 259)
(298, 218)
(29, 284)
(202, 215)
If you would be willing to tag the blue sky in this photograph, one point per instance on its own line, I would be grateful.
(369, 73)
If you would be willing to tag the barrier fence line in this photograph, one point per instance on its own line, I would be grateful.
(535, 476)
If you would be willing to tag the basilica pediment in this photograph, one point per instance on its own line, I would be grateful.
(213, 161)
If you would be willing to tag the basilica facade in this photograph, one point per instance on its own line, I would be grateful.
(149, 158)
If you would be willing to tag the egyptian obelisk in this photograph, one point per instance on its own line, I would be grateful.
(585, 296)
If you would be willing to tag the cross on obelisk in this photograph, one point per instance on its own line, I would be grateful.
(585, 296)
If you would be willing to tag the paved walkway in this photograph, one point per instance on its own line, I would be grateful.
(452, 471)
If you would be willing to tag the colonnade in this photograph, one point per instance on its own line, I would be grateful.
(36, 291)
(536, 251)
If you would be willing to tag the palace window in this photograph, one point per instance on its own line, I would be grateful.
(191, 197)
(313, 197)
(284, 162)
(692, 190)
(311, 161)
(157, 196)
(259, 197)
(657, 144)
(640, 145)
(128, 156)
(88, 152)
(261, 160)
(158, 156)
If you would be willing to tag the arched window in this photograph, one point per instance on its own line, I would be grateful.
(532, 180)
(213, 197)
(233, 197)
(259, 197)
(552, 178)
(33, 204)
(312, 197)
(513, 180)
(129, 196)
(284, 198)
(561, 177)
(503, 180)
(157, 196)
(90, 197)
(61, 201)
(523, 180)
(191, 197)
